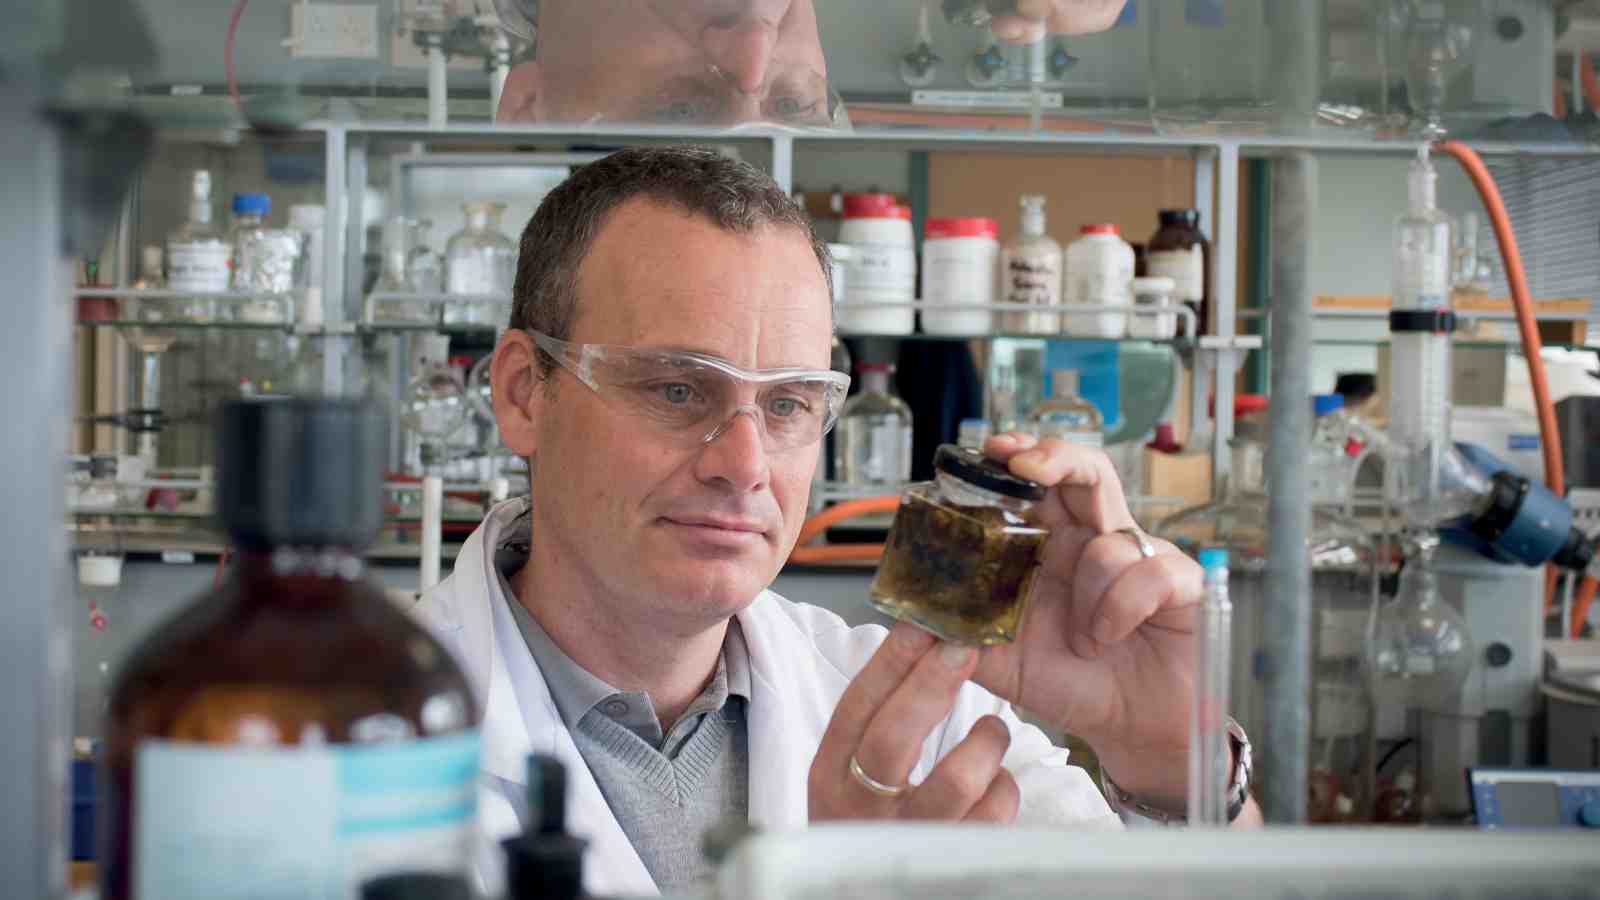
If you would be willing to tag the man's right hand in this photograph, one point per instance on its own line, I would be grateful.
(1036, 18)
(903, 693)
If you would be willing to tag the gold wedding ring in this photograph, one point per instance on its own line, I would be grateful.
(874, 785)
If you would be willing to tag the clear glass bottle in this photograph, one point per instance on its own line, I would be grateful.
(424, 267)
(249, 215)
(399, 250)
(292, 727)
(198, 255)
(1066, 415)
(962, 553)
(873, 444)
(1030, 272)
(480, 262)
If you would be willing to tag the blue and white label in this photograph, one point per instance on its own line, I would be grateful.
(230, 823)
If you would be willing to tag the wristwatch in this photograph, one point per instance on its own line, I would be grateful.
(1127, 806)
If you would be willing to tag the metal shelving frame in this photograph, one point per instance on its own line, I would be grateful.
(348, 147)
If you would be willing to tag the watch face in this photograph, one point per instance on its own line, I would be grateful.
(519, 17)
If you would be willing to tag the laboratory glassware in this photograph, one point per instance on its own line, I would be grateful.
(962, 553)
(302, 699)
(873, 444)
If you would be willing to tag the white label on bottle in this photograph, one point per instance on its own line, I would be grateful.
(201, 266)
(881, 267)
(1187, 268)
(237, 823)
(888, 451)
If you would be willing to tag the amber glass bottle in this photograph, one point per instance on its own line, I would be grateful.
(1180, 251)
(292, 733)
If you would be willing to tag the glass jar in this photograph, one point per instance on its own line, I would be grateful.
(399, 237)
(1344, 582)
(480, 263)
(962, 554)
(424, 268)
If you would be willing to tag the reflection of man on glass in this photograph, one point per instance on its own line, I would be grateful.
(708, 62)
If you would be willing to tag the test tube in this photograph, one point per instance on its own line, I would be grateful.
(1210, 762)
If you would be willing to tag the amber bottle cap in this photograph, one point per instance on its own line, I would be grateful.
(974, 468)
(301, 471)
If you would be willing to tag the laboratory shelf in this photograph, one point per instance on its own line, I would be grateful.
(1087, 134)
(1007, 335)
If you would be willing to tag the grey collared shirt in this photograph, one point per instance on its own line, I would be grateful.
(665, 787)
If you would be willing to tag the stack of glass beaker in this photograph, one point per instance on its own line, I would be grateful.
(1344, 581)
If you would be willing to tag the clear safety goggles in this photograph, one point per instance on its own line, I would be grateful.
(696, 397)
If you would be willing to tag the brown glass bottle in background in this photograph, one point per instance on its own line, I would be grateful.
(1180, 251)
(292, 733)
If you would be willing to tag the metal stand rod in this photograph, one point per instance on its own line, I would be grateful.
(438, 87)
(432, 529)
(1287, 612)
(35, 349)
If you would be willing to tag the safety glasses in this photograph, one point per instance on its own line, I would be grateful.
(694, 398)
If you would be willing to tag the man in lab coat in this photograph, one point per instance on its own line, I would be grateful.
(672, 310)
(706, 62)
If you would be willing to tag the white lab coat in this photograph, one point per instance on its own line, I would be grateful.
(801, 659)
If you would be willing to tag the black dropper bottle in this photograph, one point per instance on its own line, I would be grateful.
(545, 862)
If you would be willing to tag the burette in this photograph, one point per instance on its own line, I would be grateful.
(1421, 321)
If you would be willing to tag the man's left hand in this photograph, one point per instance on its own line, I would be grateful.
(1106, 648)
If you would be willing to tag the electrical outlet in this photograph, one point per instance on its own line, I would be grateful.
(341, 30)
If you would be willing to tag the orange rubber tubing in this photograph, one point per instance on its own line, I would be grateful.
(1580, 604)
(1522, 303)
(1591, 85)
(819, 523)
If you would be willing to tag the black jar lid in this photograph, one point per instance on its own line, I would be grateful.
(1189, 218)
(976, 469)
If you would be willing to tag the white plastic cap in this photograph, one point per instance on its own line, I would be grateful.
(100, 571)
(1406, 781)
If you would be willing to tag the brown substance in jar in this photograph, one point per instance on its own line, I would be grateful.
(961, 572)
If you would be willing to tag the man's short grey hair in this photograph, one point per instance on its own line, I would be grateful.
(733, 195)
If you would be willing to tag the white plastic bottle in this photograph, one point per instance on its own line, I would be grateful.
(881, 268)
(1030, 272)
(1153, 293)
(1099, 272)
(959, 260)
